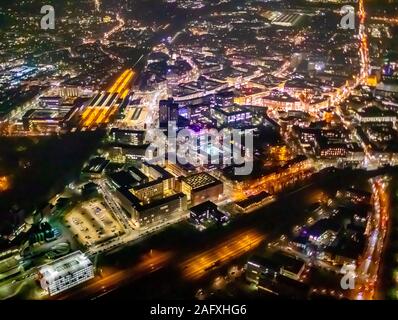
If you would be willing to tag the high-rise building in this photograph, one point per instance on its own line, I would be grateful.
(168, 111)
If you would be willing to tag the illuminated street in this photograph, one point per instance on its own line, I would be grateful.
(235, 246)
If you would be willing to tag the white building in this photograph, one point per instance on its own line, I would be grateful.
(65, 273)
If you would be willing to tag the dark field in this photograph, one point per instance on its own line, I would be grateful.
(37, 169)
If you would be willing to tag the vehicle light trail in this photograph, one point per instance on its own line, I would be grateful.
(369, 265)
(235, 246)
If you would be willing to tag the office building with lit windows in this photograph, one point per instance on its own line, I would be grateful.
(152, 200)
(330, 150)
(168, 111)
(156, 211)
(201, 187)
(66, 272)
(232, 115)
(128, 137)
(207, 212)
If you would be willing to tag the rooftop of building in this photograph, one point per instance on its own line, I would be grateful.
(96, 165)
(47, 114)
(126, 131)
(232, 110)
(277, 260)
(280, 96)
(285, 287)
(225, 94)
(163, 172)
(326, 143)
(267, 81)
(128, 178)
(347, 244)
(62, 266)
(290, 18)
(375, 112)
(300, 84)
(253, 199)
(141, 206)
(200, 180)
(204, 206)
(388, 87)
(322, 226)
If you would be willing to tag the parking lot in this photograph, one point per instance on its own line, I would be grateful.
(92, 223)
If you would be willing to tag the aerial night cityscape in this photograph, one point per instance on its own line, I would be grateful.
(199, 150)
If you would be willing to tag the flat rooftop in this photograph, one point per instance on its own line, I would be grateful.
(253, 199)
(47, 114)
(375, 112)
(96, 165)
(288, 19)
(200, 180)
(232, 110)
(277, 260)
(62, 266)
(141, 206)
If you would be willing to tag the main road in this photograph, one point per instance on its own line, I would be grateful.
(110, 279)
(368, 270)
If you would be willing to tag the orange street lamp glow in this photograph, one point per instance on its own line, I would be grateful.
(5, 183)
